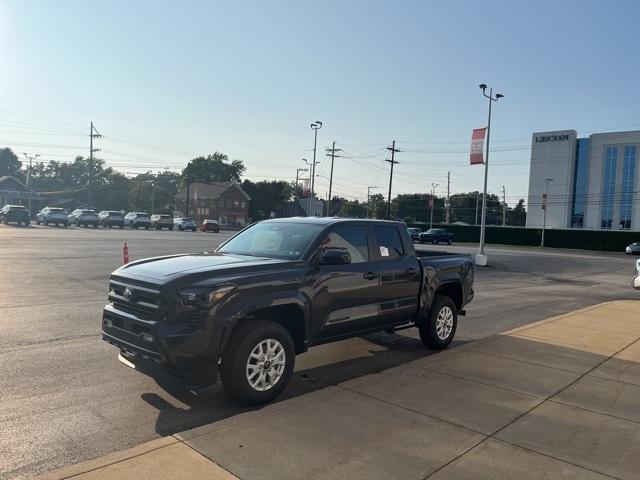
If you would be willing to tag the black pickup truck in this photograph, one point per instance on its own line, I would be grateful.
(272, 291)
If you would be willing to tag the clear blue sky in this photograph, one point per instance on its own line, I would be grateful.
(165, 81)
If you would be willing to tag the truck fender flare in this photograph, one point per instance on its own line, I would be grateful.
(432, 285)
(238, 311)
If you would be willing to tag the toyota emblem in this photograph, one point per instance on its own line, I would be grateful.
(127, 294)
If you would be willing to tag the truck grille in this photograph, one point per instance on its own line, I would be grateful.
(141, 300)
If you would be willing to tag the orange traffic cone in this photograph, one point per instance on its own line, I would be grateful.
(125, 253)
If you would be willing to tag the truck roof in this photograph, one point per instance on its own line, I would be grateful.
(330, 220)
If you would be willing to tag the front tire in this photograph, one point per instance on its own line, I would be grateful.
(258, 362)
(438, 330)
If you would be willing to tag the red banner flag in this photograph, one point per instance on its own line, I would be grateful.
(477, 146)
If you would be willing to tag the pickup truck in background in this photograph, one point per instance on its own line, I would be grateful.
(436, 236)
(272, 291)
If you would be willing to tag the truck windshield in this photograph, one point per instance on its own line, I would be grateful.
(273, 239)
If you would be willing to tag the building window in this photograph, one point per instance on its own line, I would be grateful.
(236, 204)
(580, 176)
(628, 180)
(609, 186)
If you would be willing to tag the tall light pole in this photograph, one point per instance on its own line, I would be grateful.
(544, 208)
(315, 126)
(31, 158)
(433, 202)
(310, 169)
(481, 258)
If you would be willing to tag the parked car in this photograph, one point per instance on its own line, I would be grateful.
(15, 213)
(633, 249)
(185, 224)
(414, 233)
(52, 215)
(435, 236)
(111, 218)
(84, 218)
(137, 220)
(210, 226)
(272, 291)
(161, 220)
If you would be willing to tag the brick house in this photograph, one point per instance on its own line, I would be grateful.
(226, 202)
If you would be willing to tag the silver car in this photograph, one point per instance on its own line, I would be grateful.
(185, 224)
(52, 215)
(633, 249)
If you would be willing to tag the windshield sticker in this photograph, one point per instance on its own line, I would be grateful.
(384, 251)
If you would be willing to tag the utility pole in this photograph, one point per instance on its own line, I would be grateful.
(544, 209)
(433, 203)
(331, 152)
(31, 158)
(477, 201)
(448, 192)
(298, 170)
(368, 197)
(393, 150)
(481, 258)
(315, 126)
(504, 206)
(186, 213)
(93, 133)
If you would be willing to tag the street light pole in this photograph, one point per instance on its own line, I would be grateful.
(433, 202)
(315, 126)
(481, 258)
(544, 208)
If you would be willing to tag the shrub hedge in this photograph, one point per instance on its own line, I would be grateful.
(612, 240)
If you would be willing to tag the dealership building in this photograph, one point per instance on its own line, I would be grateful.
(592, 182)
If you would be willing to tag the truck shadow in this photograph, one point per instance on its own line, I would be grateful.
(373, 354)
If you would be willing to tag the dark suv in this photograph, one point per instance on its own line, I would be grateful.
(111, 218)
(15, 213)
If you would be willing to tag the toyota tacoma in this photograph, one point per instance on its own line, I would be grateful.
(276, 288)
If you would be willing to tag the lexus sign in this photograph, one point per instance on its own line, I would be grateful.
(552, 138)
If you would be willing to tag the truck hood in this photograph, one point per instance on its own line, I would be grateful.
(162, 268)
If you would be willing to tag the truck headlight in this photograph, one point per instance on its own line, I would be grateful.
(205, 297)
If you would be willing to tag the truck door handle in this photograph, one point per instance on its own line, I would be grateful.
(370, 276)
(411, 271)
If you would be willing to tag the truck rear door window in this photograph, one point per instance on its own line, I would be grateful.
(388, 242)
(351, 239)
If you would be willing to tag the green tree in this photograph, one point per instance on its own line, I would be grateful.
(9, 163)
(517, 216)
(377, 206)
(153, 193)
(213, 168)
(268, 196)
(353, 209)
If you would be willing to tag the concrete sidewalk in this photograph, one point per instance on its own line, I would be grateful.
(556, 399)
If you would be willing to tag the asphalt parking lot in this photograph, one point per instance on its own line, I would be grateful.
(66, 398)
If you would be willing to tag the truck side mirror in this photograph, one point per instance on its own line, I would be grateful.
(335, 257)
(636, 282)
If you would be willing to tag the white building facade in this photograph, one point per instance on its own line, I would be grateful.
(592, 182)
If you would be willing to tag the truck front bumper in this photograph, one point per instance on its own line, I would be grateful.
(172, 354)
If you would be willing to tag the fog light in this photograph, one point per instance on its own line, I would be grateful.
(147, 337)
(108, 323)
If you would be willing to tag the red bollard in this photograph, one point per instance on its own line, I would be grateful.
(125, 253)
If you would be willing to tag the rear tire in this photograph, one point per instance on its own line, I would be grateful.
(241, 358)
(438, 330)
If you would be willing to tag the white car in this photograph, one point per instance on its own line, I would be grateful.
(52, 216)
